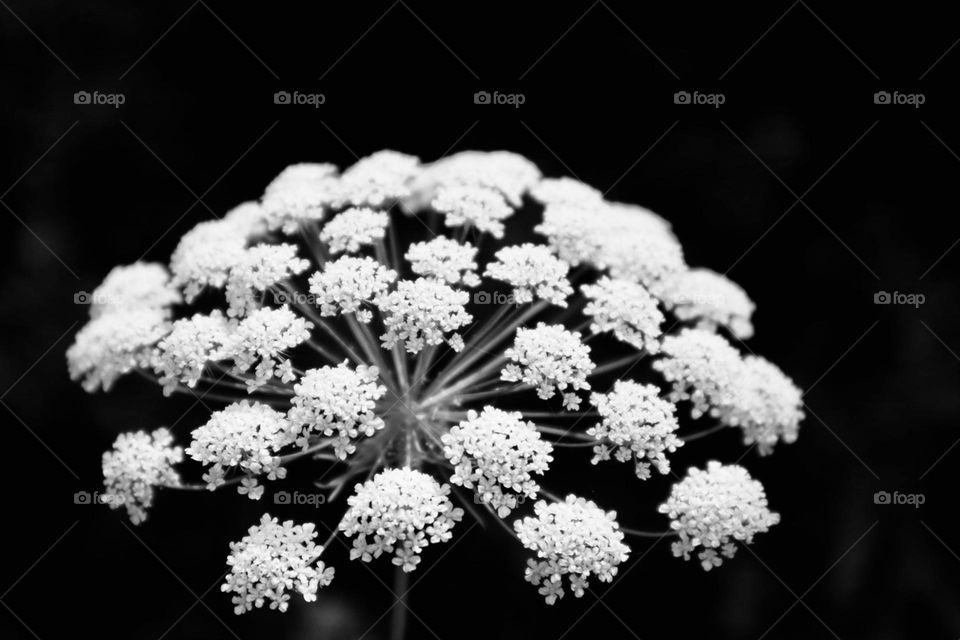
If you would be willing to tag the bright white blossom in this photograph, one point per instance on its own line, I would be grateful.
(714, 508)
(205, 255)
(260, 268)
(574, 538)
(496, 454)
(261, 340)
(566, 191)
(300, 195)
(473, 206)
(192, 344)
(771, 405)
(378, 179)
(399, 512)
(550, 359)
(635, 424)
(113, 344)
(423, 312)
(625, 308)
(141, 285)
(272, 560)
(244, 435)
(354, 228)
(337, 401)
(138, 463)
(445, 259)
(347, 283)
(710, 299)
(534, 272)
(507, 173)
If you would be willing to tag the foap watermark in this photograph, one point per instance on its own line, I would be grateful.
(895, 97)
(494, 297)
(95, 497)
(299, 498)
(297, 98)
(511, 99)
(99, 99)
(914, 500)
(697, 98)
(295, 298)
(910, 299)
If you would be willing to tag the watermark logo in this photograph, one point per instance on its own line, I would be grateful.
(908, 99)
(914, 500)
(910, 299)
(697, 98)
(493, 297)
(297, 98)
(295, 298)
(95, 497)
(512, 99)
(96, 98)
(301, 499)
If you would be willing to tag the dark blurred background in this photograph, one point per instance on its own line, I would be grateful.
(811, 194)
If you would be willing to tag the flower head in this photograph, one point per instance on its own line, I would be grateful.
(473, 206)
(710, 299)
(138, 463)
(299, 195)
(260, 341)
(258, 269)
(627, 310)
(574, 538)
(354, 228)
(714, 507)
(550, 359)
(205, 255)
(348, 283)
(445, 259)
(704, 369)
(497, 454)
(142, 285)
(401, 512)
(509, 174)
(183, 354)
(272, 560)
(534, 272)
(378, 179)
(771, 405)
(422, 312)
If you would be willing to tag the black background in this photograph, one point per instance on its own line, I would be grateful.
(87, 187)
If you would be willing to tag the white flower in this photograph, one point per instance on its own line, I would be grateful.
(400, 512)
(709, 298)
(497, 454)
(574, 538)
(704, 369)
(337, 401)
(625, 308)
(421, 312)
(245, 435)
(353, 229)
(248, 219)
(445, 259)
(138, 463)
(378, 179)
(473, 206)
(560, 191)
(192, 343)
(715, 507)
(550, 359)
(261, 339)
(205, 255)
(272, 560)
(344, 285)
(507, 173)
(142, 285)
(770, 408)
(299, 195)
(636, 423)
(533, 271)
(259, 268)
(113, 344)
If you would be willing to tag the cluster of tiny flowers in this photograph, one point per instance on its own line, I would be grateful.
(445, 259)
(244, 435)
(472, 206)
(347, 283)
(183, 354)
(772, 406)
(421, 312)
(142, 285)
(399, 512)
(272, 560)
(714, 507)
(353, 229)
(710, 299)
(138, 463)
(534, 272)
(574, 538)
(337, 401)
(259, 268)
(497, 454)
(625, 308)
(377, 180)
(636, 423)
(550, 359)
(298, 195)
(261, 339)
(507, 173)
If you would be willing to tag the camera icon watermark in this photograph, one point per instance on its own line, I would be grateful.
(915, 500)
(512, 99)
(298, 498)
(95, 497)
(697, 98)
(493, 297)
(297, 98)
(96, 98)
(908, 299)
(909, 99)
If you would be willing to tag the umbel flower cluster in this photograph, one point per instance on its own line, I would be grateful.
(378, 324)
